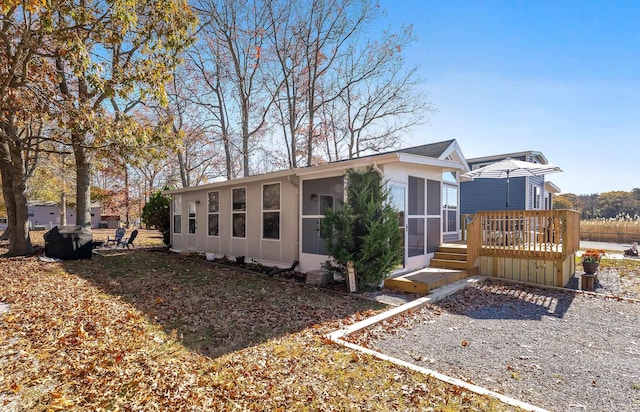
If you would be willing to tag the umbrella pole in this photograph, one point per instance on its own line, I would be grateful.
(507, 190)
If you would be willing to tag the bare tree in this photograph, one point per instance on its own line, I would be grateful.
(378, 99)
(197, 150)
(239, 27)
(332, 26)
(336, 84)
(210, 91)
(290, 108)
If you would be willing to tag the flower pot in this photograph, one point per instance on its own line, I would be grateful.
(240, 259)
(590, 267)
(210, 256)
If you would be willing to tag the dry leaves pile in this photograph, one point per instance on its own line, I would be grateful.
(147, 330)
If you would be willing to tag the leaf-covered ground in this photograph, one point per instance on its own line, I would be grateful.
(149, 330)
(629, 272)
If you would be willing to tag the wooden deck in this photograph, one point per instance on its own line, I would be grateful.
(534, 246)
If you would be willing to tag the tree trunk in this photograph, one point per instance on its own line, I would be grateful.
(227, 155)
(63, 209)
(245, 136)
(311, 126)
(184, 172)
(83, 183)
(126, 194)
(14, 184)
(6, 176)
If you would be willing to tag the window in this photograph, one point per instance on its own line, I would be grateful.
(449, 208)
(416, 195)
(239, 212)
(449, 177)
(177, 214)
(213, 210)
(536, 197)
(271, 211)
(325, 202)
(192, 217)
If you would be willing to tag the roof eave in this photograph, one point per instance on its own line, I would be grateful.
(243, 180)
(506, 155)
(431, 161)
(350, 164)
(551, 187)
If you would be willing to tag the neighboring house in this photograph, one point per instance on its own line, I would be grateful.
(44, 214)
(110, 221)
(275, 218)
(525, 193)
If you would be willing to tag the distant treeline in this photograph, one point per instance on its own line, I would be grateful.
(616, 204)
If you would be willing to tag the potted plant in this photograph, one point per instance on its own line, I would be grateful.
(591, 260)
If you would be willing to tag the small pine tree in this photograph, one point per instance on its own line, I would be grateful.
(364, 230)
(156, 213)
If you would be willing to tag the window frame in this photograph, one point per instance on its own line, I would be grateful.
(271, 211)
(192, 217)
(238, 212)
(214, 213)
(447, 207)
(177, 212)
(416, 214)
(537, 193)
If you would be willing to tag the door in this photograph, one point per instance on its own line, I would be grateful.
(312, 241)
(450, 211)
(399, 200)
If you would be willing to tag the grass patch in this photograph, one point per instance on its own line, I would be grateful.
(149, 330)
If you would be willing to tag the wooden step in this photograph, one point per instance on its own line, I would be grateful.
(448, 263)
(452, 248)
(445, 279)
(402, 284)
(450, 256)
(425, 280)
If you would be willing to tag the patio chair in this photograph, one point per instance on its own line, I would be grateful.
(119, 235)
(128, 241)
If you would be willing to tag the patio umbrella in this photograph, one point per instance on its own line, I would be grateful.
(509, 167)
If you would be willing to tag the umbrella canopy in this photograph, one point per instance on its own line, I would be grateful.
(509, 167)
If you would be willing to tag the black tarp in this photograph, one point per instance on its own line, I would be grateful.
(68, 243)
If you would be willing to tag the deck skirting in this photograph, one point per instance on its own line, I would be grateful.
(550, 272)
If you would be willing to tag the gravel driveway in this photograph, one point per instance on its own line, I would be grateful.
(558, 350)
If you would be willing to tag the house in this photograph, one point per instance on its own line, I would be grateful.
(525, 193)
(274, 218)
(110, 221)
(45, 215)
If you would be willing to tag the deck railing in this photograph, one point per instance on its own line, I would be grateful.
(546, 234)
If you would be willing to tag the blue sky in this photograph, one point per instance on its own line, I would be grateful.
(559, 77)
